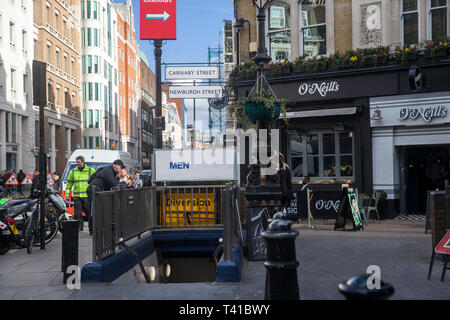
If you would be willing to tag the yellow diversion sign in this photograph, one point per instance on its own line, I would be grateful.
(188, 209)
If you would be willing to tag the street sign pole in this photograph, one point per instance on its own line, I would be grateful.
(42, 175)
(158, 113)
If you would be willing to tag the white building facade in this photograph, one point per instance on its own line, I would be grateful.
(99, 75)
(17, 127)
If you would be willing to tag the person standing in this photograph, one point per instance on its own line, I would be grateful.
(284, 174)
(104, 180)
(56, 181)
(78, 179)
(20, 177)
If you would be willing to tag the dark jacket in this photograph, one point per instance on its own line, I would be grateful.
(285, 183)
(20, 176)
(104, 180)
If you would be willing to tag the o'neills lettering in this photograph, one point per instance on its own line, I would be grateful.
(320, 88)
(427, 114)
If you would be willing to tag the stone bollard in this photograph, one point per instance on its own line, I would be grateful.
(281, 263)
(356, 288)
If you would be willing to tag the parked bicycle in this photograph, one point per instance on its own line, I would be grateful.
(54, 208)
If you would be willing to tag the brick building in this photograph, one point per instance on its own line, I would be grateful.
(59, 45)
(357, 115)
(129, 78)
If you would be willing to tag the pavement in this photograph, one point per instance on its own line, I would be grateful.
(400, 248)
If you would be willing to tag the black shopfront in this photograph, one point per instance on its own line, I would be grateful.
(328, 136)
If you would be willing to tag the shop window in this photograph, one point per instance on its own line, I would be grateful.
(410, 22)
(438, 19)
(313, 28)
(279, 32)
(320, 154)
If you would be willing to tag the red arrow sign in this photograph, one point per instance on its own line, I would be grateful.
(443, 246)
(158, 19)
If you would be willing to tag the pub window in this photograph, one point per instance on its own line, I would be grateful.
(410, 22)
(279, 32)
(313, 29)
(438, 18)
(322, 155)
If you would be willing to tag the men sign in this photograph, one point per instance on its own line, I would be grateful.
(158, 19)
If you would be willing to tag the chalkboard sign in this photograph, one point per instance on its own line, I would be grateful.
(257, 222)
(324, 204)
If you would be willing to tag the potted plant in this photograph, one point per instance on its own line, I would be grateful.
(263, 106)
(297, 66)
(321, 63)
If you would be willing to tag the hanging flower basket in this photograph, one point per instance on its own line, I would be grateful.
(256, 110)
(263, 106)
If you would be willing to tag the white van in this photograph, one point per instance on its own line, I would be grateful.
(97, 158)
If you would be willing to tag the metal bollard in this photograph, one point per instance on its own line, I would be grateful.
(356, 288)
(69, 246)
(281, 264)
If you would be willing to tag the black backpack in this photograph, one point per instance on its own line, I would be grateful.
(92, 177)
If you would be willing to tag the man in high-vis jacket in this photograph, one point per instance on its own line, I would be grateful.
(78, 179)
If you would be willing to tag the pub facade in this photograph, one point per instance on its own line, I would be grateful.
(334, 134)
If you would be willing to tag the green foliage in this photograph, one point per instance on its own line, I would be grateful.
(265, 98)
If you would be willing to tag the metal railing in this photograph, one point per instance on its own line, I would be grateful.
(232, 232)
(121, 215)
(190, 206)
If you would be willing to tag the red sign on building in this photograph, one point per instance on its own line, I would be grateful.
(443, 246)
(158, 19)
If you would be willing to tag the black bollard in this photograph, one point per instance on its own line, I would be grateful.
(356, 288)
(281, 264)
(69, 246)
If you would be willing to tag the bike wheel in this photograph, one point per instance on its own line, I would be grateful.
(30, 231)
(51, 228)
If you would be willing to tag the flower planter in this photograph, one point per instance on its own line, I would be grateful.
(258, 111)
(321, 66)
(382, 60)
(441, 53)
(412, 56)
(367, 63)
(297, 69)
(285, 70)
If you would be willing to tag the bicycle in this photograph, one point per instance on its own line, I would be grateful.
(32, 228)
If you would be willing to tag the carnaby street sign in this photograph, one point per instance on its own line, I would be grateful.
(192, 73)
(158, 19)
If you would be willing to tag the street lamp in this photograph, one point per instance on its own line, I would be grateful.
(261, 57)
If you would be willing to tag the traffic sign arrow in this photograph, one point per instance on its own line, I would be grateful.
(162, 16)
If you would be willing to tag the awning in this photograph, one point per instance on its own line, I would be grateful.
(321, 113)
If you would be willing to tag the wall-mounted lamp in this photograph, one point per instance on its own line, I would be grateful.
(238, 26)
(376, 114)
